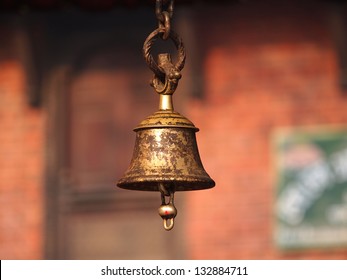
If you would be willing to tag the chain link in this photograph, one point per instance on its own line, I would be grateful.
(159, 8)
(164, 16)
(147, 46)
(164, 32)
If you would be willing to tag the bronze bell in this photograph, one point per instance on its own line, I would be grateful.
(166, 156)
(166, 159)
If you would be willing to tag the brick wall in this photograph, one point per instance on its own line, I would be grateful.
(21, 167)
(265, 67)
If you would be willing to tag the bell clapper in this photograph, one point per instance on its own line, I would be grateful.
(168, 210)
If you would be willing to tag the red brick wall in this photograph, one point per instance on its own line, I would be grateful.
(265, 67)
(21, 167)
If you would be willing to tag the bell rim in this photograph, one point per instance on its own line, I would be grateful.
(177, 185)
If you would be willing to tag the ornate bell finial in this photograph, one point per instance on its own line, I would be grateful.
(166, 156)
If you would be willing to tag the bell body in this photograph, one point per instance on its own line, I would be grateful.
(166, 154)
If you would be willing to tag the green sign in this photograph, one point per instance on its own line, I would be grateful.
(311, 197)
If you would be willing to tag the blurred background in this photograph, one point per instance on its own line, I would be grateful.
(266, 83)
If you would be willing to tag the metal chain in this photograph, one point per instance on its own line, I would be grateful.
(164, 16)
(159, 8)
(164, 32)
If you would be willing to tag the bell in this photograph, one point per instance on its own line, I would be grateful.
(166, 156)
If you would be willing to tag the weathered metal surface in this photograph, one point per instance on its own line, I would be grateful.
(166, 152)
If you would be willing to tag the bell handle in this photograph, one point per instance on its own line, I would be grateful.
(147, 46)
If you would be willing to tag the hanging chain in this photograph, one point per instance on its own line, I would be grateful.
(166, 74)
(165, 16)
(159, 8)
